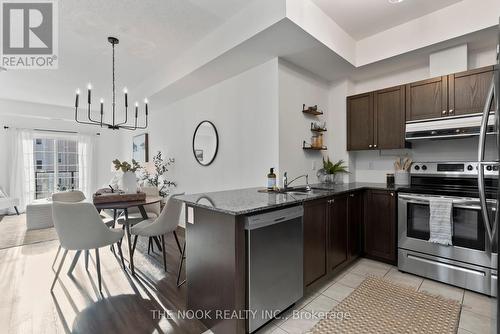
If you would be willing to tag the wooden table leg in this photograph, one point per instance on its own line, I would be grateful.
(129, 241)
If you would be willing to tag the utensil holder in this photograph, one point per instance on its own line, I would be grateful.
(401, 177)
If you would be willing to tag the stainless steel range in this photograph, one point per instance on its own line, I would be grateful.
(471, 262)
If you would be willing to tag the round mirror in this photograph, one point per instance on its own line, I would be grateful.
(205, 143)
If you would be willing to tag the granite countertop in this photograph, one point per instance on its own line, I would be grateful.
(250, 200)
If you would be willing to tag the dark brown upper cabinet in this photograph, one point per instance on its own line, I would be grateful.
(360, 122)
(467, 91)
(315, 240)
(389, 124)
(427, 99)
(376, 120)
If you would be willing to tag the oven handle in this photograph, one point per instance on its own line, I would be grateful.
(480, 159)
(457, 201)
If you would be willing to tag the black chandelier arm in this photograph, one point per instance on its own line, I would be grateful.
(90, 118)
(87, 123)
(126, 117)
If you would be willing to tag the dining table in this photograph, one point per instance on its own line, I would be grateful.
(123, 206)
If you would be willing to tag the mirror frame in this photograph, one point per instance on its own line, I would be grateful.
(216, 142)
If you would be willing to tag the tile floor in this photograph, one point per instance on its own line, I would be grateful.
(476, 316)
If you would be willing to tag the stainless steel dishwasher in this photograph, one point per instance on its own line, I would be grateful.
(274, 243)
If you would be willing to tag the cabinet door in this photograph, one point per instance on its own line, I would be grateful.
(467, 91)
(337, 219)
(315, 240)
(389, 111)
(427, 99)
(380, 225)
(360, 122)
(355, 221)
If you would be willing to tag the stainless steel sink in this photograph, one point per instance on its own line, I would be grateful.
(303, 190)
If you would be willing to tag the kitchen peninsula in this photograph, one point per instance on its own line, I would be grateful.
(331, 236)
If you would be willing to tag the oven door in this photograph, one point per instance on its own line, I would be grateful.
(470, 241)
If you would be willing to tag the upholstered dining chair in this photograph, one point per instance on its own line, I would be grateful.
(79, 227)
(74, 196)
(166, 223)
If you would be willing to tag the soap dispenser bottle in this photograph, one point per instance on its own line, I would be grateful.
(271, 180)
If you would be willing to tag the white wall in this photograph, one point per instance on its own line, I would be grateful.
(297, 87)
(244, 110)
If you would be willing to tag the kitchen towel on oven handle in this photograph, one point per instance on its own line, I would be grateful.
(440, 222)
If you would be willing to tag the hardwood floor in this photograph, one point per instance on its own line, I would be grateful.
(146, 304)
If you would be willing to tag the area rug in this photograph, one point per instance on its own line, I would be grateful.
(379, 306)
(13, 232)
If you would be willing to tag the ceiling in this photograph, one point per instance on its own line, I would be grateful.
(363, 18)
(152, 33)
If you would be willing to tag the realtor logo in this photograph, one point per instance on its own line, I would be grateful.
(29, 34)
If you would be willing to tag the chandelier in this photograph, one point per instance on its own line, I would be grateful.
(114, 125)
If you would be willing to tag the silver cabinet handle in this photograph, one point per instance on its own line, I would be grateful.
(450, 111)
(352, 195)
(444, 112)
(375, 145)
(370, 146)
(392, 194)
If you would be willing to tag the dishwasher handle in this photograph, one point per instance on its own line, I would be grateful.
(273, 217)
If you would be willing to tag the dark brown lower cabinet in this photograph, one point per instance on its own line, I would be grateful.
(380, 225)
(355, 222)
(333, 231)
(315, 241)
(338, 235)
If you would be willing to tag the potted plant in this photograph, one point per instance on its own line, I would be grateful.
(129, 180)
(154, 174)
(331, 171)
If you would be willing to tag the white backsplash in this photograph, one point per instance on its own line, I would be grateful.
(372, 166)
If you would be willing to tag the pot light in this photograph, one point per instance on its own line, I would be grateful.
(395, 1)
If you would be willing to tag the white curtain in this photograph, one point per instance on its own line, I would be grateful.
(86, 164)
(22, 169)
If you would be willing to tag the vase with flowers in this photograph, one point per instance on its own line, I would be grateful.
(154, 174)
(129, 179)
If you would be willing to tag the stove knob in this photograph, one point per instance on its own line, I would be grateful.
(488, 168)
(424, 167)
(417, 167)
(470, 167)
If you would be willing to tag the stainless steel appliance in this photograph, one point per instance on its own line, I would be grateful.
(471, 262)
(274, 263)
(447, 127)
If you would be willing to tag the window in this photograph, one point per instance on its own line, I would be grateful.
(56, 161)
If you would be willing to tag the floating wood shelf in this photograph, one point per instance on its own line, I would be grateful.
(324, 148)
(317, 130)
(312, 148)
(311, 110)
